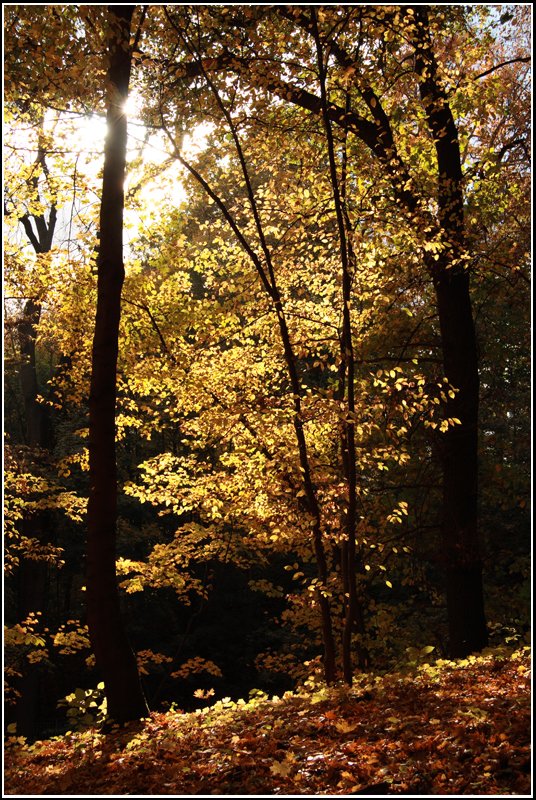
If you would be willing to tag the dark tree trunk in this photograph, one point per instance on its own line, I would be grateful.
(459, 450)
(33, 581)
(33, 578)
(35, 414)
(114, 656)
(459, 446)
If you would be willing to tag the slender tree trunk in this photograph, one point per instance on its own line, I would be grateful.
(267, 275)
(330, 666)
(32, 577)
(354, 613)
(114, 656)
(35, 416)
(459, 446)
(34, 587)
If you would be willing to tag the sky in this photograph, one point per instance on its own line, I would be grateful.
(80, 139)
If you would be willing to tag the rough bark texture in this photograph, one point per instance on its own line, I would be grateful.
(114, 656)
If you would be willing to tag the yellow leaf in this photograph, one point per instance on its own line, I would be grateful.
(282, 768)
(346, 727)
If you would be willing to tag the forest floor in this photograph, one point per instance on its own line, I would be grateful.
(447, 728)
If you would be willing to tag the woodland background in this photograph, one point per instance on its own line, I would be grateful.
(306, 187)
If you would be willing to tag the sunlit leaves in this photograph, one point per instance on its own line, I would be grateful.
(71, 637)
(28, 493)
(403, 730)
(196, 665)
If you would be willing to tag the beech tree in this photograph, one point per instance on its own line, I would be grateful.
(442, 245)
(113, 653)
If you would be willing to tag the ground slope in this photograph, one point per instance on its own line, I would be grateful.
(446, 728)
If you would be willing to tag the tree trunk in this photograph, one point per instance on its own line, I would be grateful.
(459, 449)
(459, 446)
(35, 414)
(114, 656)
(354, 619)
(32, 577)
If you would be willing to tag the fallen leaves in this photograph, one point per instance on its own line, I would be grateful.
(460, 728)
(284, 767)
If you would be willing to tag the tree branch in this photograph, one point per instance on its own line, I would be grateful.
(519, 60)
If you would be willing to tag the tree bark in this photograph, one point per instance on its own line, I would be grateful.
(114, 656)
(459, 445)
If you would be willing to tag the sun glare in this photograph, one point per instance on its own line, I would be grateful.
(154, 179)
(133, 105)
(196, 141)
(90, 133)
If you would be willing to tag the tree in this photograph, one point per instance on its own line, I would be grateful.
(465, 602)
(441, 241)
(327, 538)
(26, 200)
(349, 557)
(113, 653)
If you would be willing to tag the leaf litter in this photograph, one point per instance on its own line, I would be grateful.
(450, 727)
